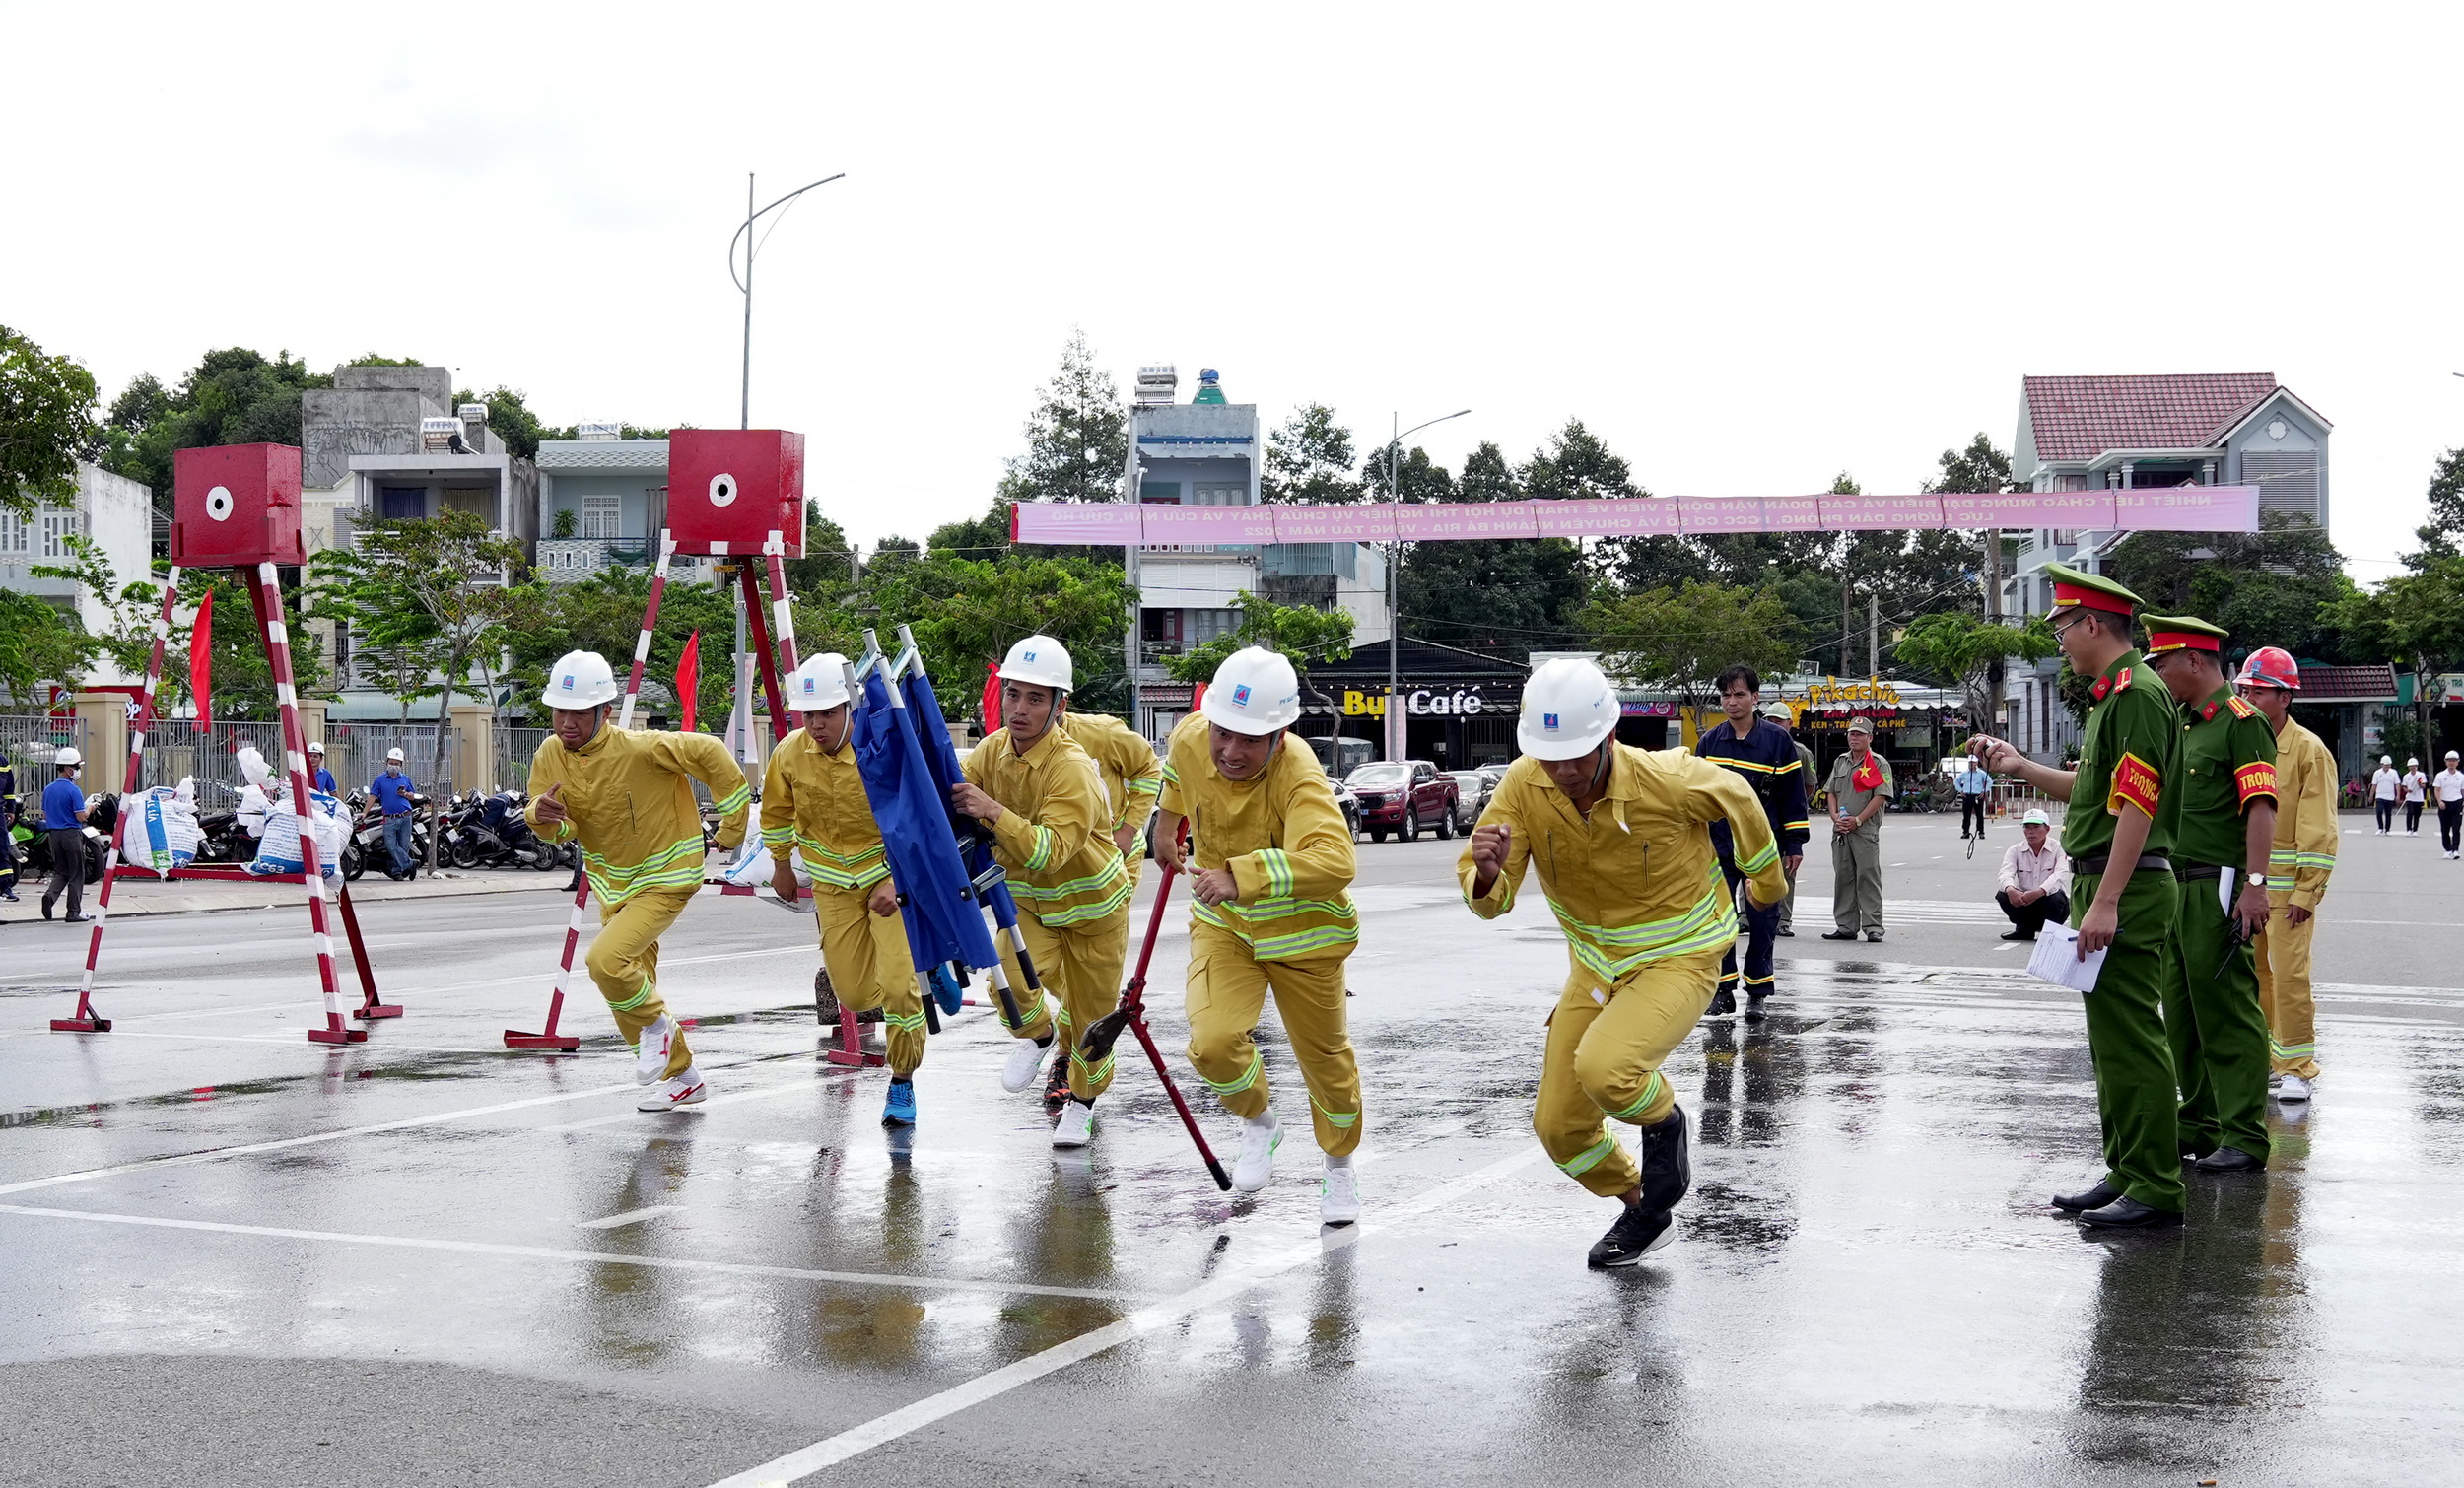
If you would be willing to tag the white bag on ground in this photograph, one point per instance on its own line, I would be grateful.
(163, 833)
(279, 850)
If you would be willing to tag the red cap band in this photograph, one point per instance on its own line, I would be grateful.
(2065, 595)
(2160, 642)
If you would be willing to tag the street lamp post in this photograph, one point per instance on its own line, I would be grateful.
(1394, 742)
(744, 408)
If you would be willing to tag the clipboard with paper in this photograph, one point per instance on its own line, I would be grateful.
(2056, 960)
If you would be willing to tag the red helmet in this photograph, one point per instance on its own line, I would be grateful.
(2270, 666)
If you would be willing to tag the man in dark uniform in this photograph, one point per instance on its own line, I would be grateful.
(1765, 758)
(2125, 801)
(2226, 828)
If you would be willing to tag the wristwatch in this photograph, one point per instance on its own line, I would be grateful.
(2255, 880)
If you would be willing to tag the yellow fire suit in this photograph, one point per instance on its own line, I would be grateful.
(1290, 929)
(1073, 893)
(2297, 866)
(1636, 888)
(813, 808)
(629, 797)
(1132, 776)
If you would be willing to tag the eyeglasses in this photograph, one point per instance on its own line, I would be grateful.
(2062, 630)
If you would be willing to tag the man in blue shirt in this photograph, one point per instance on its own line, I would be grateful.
(1971, 782)
(393, 792)
(318, 775)
(64, 818)
(1765, 756)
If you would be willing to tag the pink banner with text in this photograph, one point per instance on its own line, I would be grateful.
(2168, 509)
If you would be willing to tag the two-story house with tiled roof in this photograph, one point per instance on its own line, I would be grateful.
(2082, 433)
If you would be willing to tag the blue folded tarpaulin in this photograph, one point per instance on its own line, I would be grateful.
(912, 807)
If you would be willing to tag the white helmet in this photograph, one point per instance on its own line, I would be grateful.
(68, 757)
(394, 757)
(1568, 707)
(580, 680)
(317, 746)
(1039, 661)
(2413, 764)
(1255, 691)
(819, 685)
(2386, 759)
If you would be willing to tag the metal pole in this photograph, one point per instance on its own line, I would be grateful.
(1395, 743)
(744, 407)
(1873, 635)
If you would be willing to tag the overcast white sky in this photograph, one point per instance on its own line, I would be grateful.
(1752, 245)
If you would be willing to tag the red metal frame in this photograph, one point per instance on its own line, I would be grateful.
(1132, 1014)
(265, 601)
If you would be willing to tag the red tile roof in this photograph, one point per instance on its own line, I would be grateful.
(2347, 684)
(2080, 418)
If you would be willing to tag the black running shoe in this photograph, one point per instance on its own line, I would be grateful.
(1668, 1172)
(1056, 1089)
(1638, 1232)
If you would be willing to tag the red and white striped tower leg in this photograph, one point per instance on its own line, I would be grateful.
(548, 1038)
(267, 598)
(85, 1021)
(781, 617)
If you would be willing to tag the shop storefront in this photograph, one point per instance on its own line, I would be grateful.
(1458, 707)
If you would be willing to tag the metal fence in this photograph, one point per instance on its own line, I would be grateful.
(32, 739)
(178, 749)
(514, 750)
(356, 754)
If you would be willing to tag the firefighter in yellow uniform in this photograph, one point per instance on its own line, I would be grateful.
(629, 797)
(2299, 863)
(1270, 867)
(1622, 840)
(1133, 778)
(1044, 801)
(814, 809)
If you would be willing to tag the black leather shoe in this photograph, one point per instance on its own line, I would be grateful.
(1723, 1003)
(1873, 935)
(1840, 935)
(1668, 1171)
(1753, 1006)
(75, 920)
(2230, 1160)
(2018, 935)
(2104, 1193)
(2127, 1213)
(1638, 1232)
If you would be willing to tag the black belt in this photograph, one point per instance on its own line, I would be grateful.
(2191, 873)
(2149, 864)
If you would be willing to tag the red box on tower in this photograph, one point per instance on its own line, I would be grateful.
(729, 489)
(236, 506)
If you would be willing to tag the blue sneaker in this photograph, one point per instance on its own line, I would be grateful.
(899, 1109)
(946, 991)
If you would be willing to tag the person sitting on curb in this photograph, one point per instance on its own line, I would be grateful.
(2035, 879)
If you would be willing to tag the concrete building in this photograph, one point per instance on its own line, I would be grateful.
(1208, 452)
(115, 512)
(2087, 432)
(610, 492)
(389, 442)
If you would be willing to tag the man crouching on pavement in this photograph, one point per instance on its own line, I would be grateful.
(2036, 887)
(1623, 840)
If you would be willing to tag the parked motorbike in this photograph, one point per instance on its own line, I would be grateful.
(35, 852)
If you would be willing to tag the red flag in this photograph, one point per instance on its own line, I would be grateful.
(992, 696)
(689, 677)
(201, 661)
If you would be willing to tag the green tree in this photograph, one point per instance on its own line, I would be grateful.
(38, 646)
(2281, 585)
(232, 396)
(1505, 598)
(1682, 637)
(510, 418)
(1077, 436)
(243, 680)
(1416, 476)
(604, 612)
(2443, 536)
(1961, 650)
(967, 612)
(983, 537)
(1310, 459)
(828, 556)
(1304, 634)
(1979, 469)
(46, 424)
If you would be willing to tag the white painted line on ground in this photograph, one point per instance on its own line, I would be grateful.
(856, 1439)
(764, 1093)
(586, 1258)
(301, 1041)
(629, 1217)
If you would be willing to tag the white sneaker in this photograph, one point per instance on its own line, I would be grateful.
(2295, 1088)
(1256, 1164)
(685, 1089)
(1026, 1057)
(1338, 1196)
(649, 1056)
(1076, 1127)
(2274, 1080)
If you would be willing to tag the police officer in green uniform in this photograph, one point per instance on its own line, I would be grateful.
(2125, 802)
(2221, 848)
(1858, 791)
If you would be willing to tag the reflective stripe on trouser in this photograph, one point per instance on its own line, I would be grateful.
(1856, 881)
(1227, 995)
(1603, 1058)
(2218, 1032)
(2136, 1106)
(1759, 925)
(870, 968)
(1080, 968)
(624, 964)
(2283, 965)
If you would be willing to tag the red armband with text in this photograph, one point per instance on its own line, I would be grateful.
(2253, 780)
(2136, 781)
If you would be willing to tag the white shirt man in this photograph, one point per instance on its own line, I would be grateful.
(2448, 786)
(2386, 786)
(2035, 879)
(2416, 791)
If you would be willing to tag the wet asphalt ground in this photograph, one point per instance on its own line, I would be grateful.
(231, 1256)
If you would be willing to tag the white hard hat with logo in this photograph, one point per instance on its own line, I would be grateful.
(582, 679)
(1255, 692)
(68, 757)
(819, 685)
(317, 746)
(394, 757)
(1039, 661)
(1568, 707)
